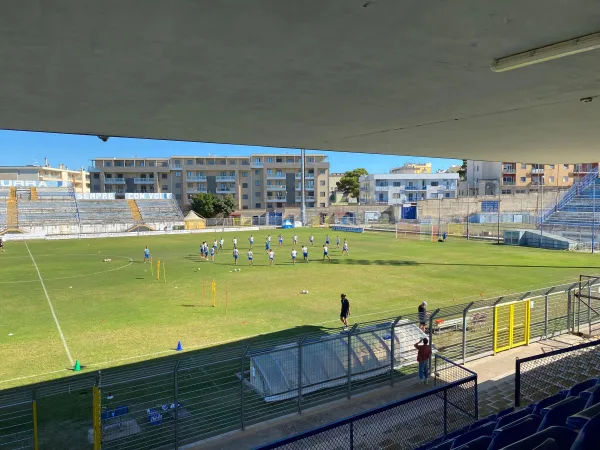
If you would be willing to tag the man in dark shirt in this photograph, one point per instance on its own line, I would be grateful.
(422, 316)
(345, 311)
(423, 355)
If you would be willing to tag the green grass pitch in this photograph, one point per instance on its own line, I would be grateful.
(113, 313)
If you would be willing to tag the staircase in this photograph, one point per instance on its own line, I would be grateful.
(135, 211)
(34, 194)
(12, 213)
(579, 208)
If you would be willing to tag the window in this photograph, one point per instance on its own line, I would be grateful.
(107, 164)
(223, 174)
(257, 160)
(165, 187)
(435, 183)
(96, 176)
(177, 174)
(397, 183)
(269, 160)
(279, 159)
(257, 205)
(257, 194)
(279, 205)
(520, 191)
(244, 196)
(245, 207)
(565, 179)
(232, 174)
(321, 171)
(550, 166)
(245, 185)
(164, 176)
(257, 183)
(269, 172)
(566, 166)
(523, 179)
(178, 196)
(310, 159)
(177, 185)
(290, 160)
(550, 179)
(322, 194)
(506, 191)
(190, 174)
(257, 172)
(322, 183)
(190, 162)
(232, 162)
(245, 174)
(477, 168)
(523, 166)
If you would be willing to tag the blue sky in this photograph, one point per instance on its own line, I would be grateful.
(22, 148)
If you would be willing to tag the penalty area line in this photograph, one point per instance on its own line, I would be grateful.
(62, 336)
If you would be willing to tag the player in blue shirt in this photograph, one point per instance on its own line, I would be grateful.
(326, 253)
(267, 246)
(206, 250)
(146, 254)
(236, 254)
(212, 253)
(326, 239)
(250, 255)
(251, 240)
(280, 240)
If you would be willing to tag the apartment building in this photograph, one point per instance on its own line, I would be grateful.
(486, 178)
(398, 189)
(79, 179)
(258, 181)
(412, 168)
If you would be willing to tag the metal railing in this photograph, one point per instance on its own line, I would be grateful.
(450, 406)
(544, 375)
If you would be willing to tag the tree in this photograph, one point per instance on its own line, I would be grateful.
(462, 172)
(349, 184)
(208, 205)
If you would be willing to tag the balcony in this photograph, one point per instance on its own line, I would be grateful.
(114, 181)
(256, 165)
(175, 167)
(93, 169)
(537, 171)
(225, 178)
(229, 190)
(277, 199)
(143, 181)
(307, 187)
(508, 183)
(276, 176)
(382, 188)
(276, 187)
(196, 179)
(509, 169)
(200, 190)
(309, 176)
(415, 188)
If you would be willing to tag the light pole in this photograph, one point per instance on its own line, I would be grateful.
(593, 212)
(468, 201)
(439, 214)
(542, 209)
(498, 189)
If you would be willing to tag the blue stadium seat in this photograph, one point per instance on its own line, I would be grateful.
(557, 414)
(456, 433)
(512, 417)
(562, 436)
(483, 430)
(591, 395)
(589, 391)
(575, 390)
(547, 402)
(505, 412)
(548, 444)
(579, 420)
(478, 423)
(589, 436)
(514, 431)
(121, 411)
(481, 443)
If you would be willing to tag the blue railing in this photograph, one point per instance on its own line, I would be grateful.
(450, 406)
(575, 190)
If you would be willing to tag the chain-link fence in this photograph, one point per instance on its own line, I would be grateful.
(403, 424)
(541, 376)
(189, 397)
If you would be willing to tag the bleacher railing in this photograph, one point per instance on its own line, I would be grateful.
(403, 424)
(575, 190)
(539, 376)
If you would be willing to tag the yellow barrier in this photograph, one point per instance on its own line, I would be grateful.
(511, 325)
(35, 425)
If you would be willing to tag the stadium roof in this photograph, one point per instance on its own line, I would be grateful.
(383, 76)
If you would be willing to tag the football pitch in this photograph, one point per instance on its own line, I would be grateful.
(60, 302)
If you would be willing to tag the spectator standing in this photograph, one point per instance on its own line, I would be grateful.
(423, 355)
(423, 316)
(345, 312)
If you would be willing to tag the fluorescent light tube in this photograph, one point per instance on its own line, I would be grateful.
(542, 54)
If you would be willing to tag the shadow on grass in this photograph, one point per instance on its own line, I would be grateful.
(393, 262)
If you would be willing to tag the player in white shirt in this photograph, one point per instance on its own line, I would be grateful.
(269, 238)
(295, 239)
(221, 242)
(251, 240)
(271, 257)
(345, 249)
(235, 242)
(294, 253)
(280, 240)
(311, 238)
(337, 242)
(326, 253)
(250, 255)
(236, 254)
(305, 253)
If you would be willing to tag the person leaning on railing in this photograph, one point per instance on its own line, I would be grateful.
(423, 355)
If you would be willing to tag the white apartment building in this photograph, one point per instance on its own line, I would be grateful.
(398, 189)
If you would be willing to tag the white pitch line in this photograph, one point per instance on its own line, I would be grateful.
(62, 336)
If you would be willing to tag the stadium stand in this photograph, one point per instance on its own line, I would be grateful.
(103, 211)
(159, 211)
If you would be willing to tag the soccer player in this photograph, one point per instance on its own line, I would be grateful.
(250, 262)
(294, 253)
(202, 250)
(271, 257)
(345, 312)
(212, 253)
(267, 245)
(236, 254)
(312, 240)
(337, 242)
(251, 240)
(305, 253)
(295, 239)
(206, 250)
(326, 253)
(280, 240)
(345, 249)
(326, 239)
(269, 239)
(146, 252)
(221, 243)
(215, 245)
(235, 242)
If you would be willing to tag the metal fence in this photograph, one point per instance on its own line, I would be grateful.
(404, 424)
(188, 397)
(541, 376)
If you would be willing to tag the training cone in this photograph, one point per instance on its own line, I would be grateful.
(179, 347)
(77, 366)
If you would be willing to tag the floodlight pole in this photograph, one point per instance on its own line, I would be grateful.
(593, 213)
(498, 232)
(302, 187)
(542, 210)
(468, 201)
